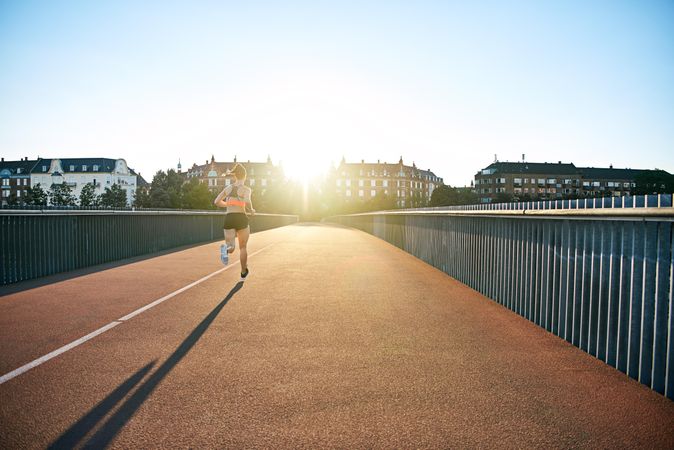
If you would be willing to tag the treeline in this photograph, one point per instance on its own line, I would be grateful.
(62, 195)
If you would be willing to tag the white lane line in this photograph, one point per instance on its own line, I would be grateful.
(16, 372)
(55, 353)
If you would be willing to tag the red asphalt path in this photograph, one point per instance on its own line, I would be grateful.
(337, 339)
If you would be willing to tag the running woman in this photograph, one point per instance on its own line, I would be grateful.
(236, 198)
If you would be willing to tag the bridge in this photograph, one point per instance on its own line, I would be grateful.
(337, 338)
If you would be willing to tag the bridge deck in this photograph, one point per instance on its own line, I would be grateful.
(336, 339)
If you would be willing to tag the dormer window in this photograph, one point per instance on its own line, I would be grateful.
(72, 168)
(44, 168)
(18, 170)
(84, 168)
(95, 168)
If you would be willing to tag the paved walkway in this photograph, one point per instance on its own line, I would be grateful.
(337, 339)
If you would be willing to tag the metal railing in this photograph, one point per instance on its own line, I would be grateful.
(36, 243)
(628, 201)
(600, 279)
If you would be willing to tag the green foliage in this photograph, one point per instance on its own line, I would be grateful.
(166, 190)
(503, 197)
(653, 182)
(195, 195)
(141, 198)
(61, 195)
(88, 196)
(114, 197)
(448, 196)
(36, 196)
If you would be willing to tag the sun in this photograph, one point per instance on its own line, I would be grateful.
(305, 170)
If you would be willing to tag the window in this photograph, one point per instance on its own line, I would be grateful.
(360, 193)
(552, 181)
(373, 193)
(501, 180)
(541, 181)
(5, 181)
(72, 168)
(5, 194)
(517, 182)
(348, 192)
(339, 182)
(586, 184)
(360, 183)
(95, 168)
(385, 183)
(348, 182)
(18, 170)
(264, 182)
(84, 168)
(44, 168)
(373, 183)
(595, 183)
(25, 181)
(567, 181)
(18, 194)
(228, 181)
(252, 181)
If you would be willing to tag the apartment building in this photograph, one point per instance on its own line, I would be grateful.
(15, 180)
(549, 181)
(409, 185)
(73, 172)
(260, 175)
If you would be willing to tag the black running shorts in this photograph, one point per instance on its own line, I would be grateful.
(236, 221)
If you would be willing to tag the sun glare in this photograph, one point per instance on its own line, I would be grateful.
(305, 170)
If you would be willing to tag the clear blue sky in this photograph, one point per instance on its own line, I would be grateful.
(445, 84)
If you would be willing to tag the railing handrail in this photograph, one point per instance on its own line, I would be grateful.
(104, 212)
(599, 213)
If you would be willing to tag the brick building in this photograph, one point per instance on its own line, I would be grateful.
(408, 185)
(260, 175)
(549, 181)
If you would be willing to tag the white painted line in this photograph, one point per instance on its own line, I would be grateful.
(55, 353)
(16, 372)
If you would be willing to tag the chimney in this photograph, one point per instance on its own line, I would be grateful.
(3, 159)
(559, 162)
(523, 157)
(611, 166)
(362, 161)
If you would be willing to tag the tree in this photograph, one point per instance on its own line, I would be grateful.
(503, 197)
(448, 196)
(196, 195)
(166, 190)
(114, 197)
(61, 195)
(653, 182)
(141, 198)
(36, 196)
(88, 196)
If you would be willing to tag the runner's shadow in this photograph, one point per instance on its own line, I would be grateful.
(107, 432)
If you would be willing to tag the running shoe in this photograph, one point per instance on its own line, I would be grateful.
(244, 275)
(224, 255)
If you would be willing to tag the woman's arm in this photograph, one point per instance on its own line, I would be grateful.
(219, 199)
(249, 201)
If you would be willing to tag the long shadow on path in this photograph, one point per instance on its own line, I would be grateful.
(107, 432)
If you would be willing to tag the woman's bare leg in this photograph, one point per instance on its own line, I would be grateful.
(243, 250)
(230, 235)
